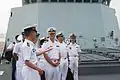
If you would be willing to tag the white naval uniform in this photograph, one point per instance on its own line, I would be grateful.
(19, 64)
(52, 73)
(41, 60)
(63, 61)
(10, 52)
(11, 46)
(74, 49)
(29, 53)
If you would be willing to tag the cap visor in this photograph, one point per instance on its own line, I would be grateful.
(51, 32)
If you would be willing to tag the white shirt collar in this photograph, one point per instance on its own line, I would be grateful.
(73, 44)
(51, 41)
(30, 42)
(61, 43)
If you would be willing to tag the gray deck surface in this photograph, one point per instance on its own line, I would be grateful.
(100, 77)
(7, 74)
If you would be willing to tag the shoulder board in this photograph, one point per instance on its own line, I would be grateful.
(28, 44)
(46, 41)
(57, 46)
(13, 42)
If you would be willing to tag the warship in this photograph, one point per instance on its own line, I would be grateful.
(94, 23)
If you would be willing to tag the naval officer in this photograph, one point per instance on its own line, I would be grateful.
(74, 50)
(30, 70)
(9, 53)
(64, 55)
(17, 52)
(41, 59)
(52, 57)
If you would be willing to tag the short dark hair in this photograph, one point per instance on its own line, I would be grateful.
(59, 36)
(27, 33)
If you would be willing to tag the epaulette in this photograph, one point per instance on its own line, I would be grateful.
(47, 40)
(28, 44)
(13, 42)
(57, 46)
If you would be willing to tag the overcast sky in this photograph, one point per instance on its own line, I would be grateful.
(6, 5)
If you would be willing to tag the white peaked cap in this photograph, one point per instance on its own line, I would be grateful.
(50, 29)
(30, 26)
(42, 38)
(72, 34)
(59, 33)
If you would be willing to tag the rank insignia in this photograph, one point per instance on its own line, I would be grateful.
(28, 44)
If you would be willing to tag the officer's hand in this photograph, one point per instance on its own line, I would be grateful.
(48, 49)
(40, 71)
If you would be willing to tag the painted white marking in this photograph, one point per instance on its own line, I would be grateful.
(1, 73)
